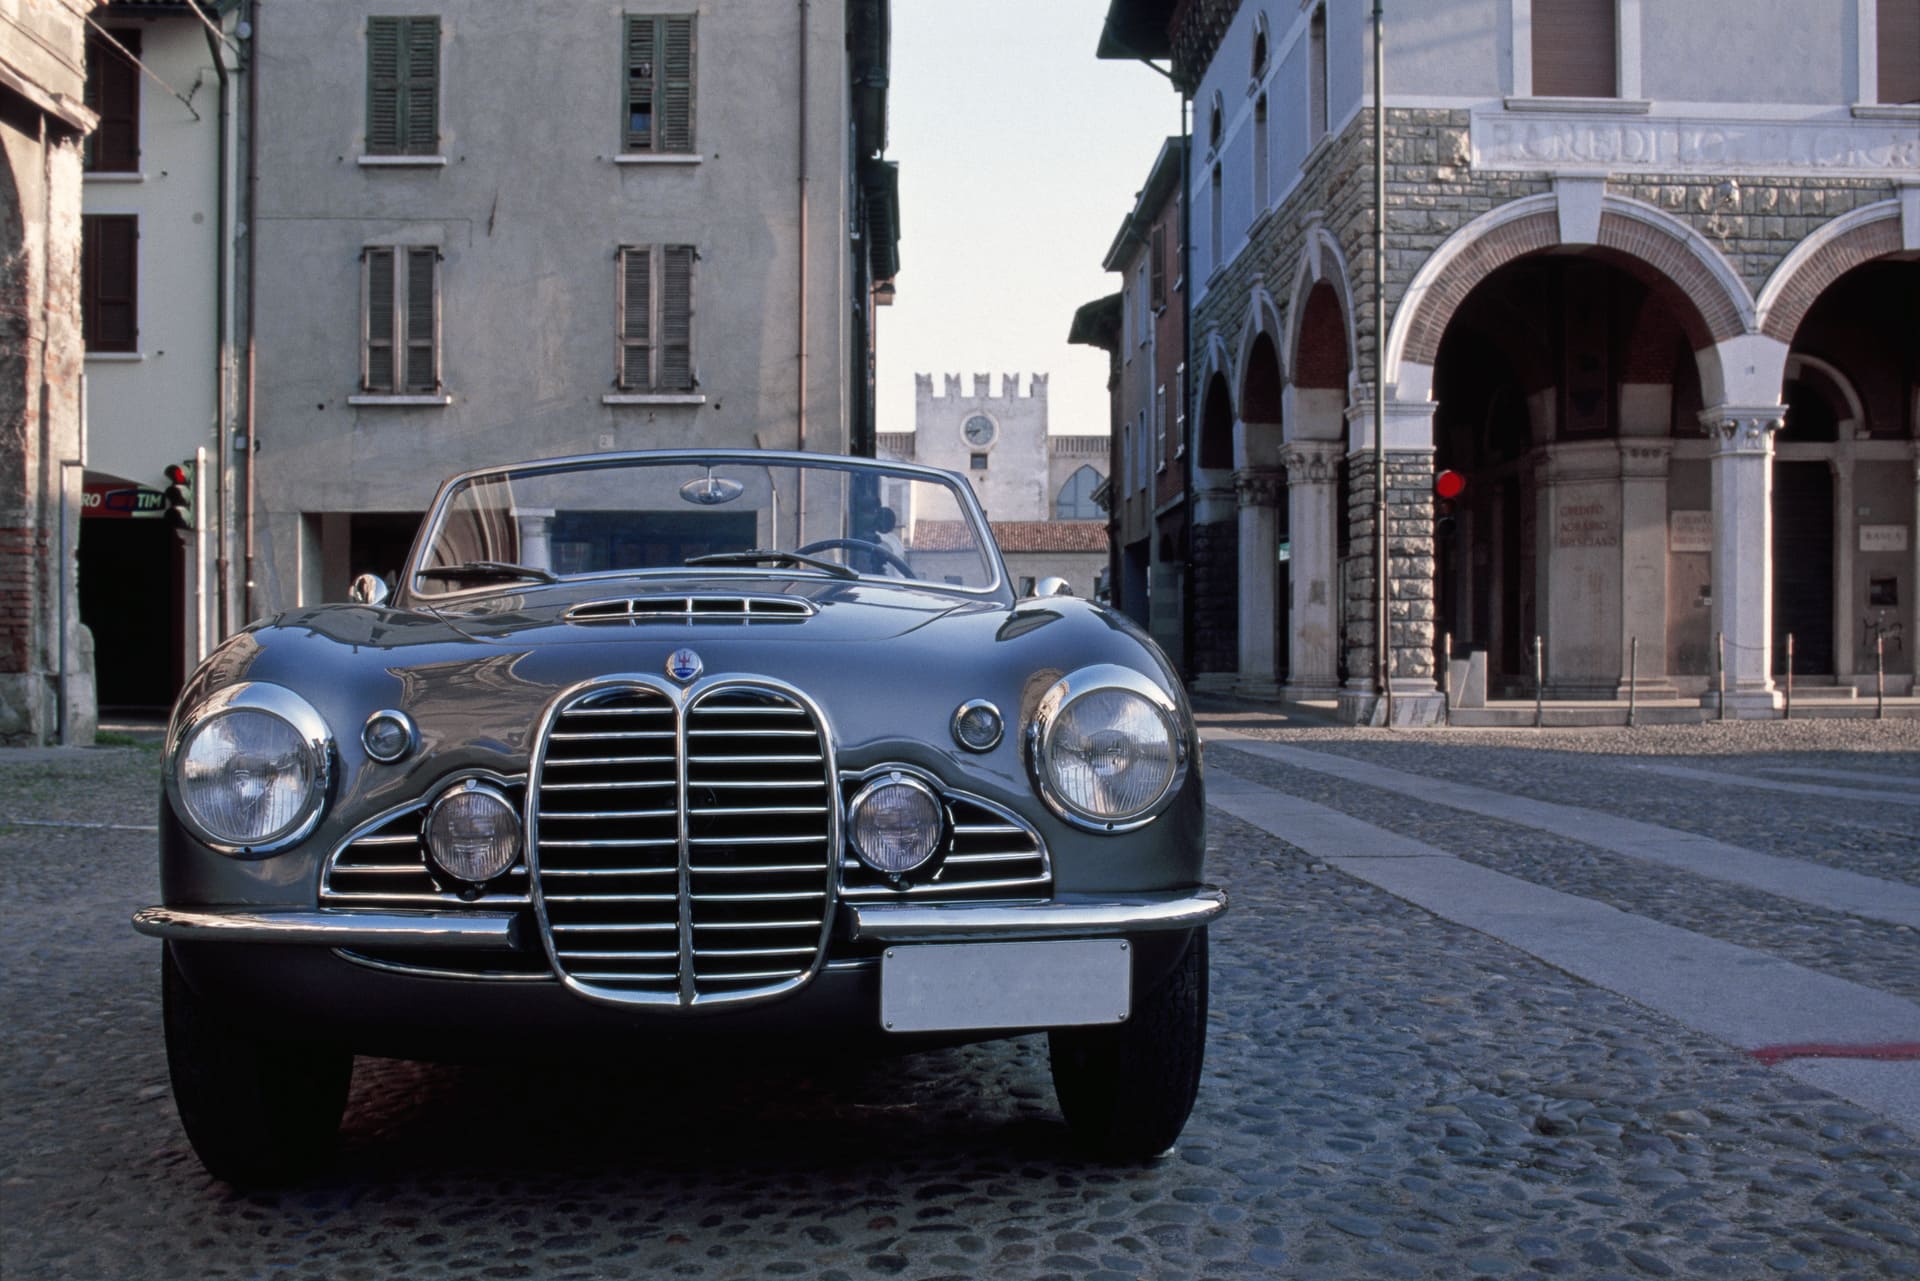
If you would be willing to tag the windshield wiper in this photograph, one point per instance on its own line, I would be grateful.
(477, 570)
(759, 554)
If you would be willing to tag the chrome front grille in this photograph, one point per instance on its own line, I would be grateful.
(992, 853)
(684, 856)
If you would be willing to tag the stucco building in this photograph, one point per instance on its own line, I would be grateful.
(493, 232)
(44, 121)
(1649, 294)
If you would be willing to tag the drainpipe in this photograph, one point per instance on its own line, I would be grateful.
(800, 373)
(1190, 437)
(251, 454)
(1382, 662)
(222, 346)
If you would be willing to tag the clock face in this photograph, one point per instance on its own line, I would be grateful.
(978, 429)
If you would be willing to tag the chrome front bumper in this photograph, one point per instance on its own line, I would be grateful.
(1068, 916)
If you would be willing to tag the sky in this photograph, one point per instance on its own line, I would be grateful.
(1020, 153)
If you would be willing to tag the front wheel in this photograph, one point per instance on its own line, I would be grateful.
(1127, 1090)
(257, 1110)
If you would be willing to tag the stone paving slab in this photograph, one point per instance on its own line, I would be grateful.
(1827, 887)
(1721, 778)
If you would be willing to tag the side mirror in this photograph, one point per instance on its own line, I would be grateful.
(368, 589)
(1052, 585)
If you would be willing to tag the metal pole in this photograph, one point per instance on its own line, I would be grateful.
(200, 506)
(1383, 662)
(1880, 678)
(1539, 684)
(1720, 670)
(1789, 714)
(1633, 677)
(1446, 676)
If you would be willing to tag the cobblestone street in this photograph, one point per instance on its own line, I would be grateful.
(1607, 1073)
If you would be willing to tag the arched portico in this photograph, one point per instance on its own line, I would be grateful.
(1260, 488)
(1215, 537)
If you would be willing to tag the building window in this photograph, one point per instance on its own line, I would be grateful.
(1260, 194)
(1216, 123)
(1213, 219)
(403, 86)
(1160, 428)
(1140, 468)
(113, 91)
(1898, 46)
(978, 462)
(1317, 76)
(1143, 314)
(659, 107)
(109, 279)
(656, 318)
(1075, 500)
(1259, 45)
(1575, 49)
(1157, 266)
(400, 312)
(1126, 456)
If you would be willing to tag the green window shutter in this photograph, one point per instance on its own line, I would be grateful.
(676, 85)
(377, 291)
(636, 319)
(642, 47)
(676, 318)
(420, 101)
(423, 321)
(383, 85)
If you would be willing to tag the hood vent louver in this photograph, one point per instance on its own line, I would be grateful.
(694, 609)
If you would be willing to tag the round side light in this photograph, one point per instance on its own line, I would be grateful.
(472, 832)
(896, 824)
(388, 735)
(977, 726)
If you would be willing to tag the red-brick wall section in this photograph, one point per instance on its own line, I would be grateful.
(21, 549)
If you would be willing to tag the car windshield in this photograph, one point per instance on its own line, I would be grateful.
(714, 513)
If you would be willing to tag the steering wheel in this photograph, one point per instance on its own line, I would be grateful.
(872, 549)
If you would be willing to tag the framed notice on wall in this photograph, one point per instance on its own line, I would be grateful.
(1690, 531)
(1883, 538)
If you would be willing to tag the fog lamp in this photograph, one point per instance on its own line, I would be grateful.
(472, 832)
(896, 824)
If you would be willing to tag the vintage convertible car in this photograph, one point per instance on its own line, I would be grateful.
(681, 745)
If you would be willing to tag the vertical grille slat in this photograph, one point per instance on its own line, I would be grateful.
(746, 840)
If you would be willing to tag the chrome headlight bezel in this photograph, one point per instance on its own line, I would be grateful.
(939, 835)
(429, 829)
(316, 742)
(1068, 690)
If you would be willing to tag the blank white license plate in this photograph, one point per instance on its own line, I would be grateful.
(952, 987)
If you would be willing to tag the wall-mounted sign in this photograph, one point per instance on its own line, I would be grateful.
(1587, 518)
(122, 501)
(1690, 531)
(1883, 538)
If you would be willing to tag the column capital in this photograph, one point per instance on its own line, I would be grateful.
(1743, 429)
(1645, 459)
(1311, 462)
(1257, 487)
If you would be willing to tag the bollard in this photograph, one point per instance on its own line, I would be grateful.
(1789, 715)
(1539, 682)
(1879, 678)
(1720, 670)
(1633, 677)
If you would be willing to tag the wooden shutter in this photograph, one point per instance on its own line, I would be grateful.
(113, 90)
(423, 321)
(1899, 51)
(1157, 265)
(636, 319)
(403, 86)
(109, 278)
(377, 367)
(676, 318)
(676, 85)
(641, 57)
(1573, 49)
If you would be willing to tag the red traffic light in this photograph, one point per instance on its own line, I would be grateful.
(176, 474)
(1449, 484)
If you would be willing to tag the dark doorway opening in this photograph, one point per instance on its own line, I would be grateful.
(1803, 566)
(133, 599)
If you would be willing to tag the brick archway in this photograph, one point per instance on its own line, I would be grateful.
(1824, 257)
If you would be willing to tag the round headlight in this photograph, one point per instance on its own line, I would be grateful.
(896, 824)
(472, 833)
(1107, 750)
(249, 768)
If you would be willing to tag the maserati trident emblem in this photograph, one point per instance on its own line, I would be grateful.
(684, 665)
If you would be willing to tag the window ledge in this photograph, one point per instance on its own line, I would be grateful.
(1886, 111)
(657, 158)
(118, 357)
(372, 399)
(1583, 106)
(112, 175)
(653, 398)
(402, 162)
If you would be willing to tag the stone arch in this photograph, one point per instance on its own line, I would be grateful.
(1830, 252)
(1653, 245)
(1322, 264)
(1262, 317)
(1855, 417)
(1258, 432)
(1216, 406)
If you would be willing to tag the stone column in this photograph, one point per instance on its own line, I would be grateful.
(536, 536)
(1742, 465)
(1258, 492)
(1643, 567)
(1312, 489)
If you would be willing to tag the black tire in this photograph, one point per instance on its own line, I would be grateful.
(258, 1111)
(1127, 1090)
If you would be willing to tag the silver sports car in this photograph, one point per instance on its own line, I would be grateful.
(681, 745)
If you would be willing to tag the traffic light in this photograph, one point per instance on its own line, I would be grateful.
(179, 496)
(1448, 486)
